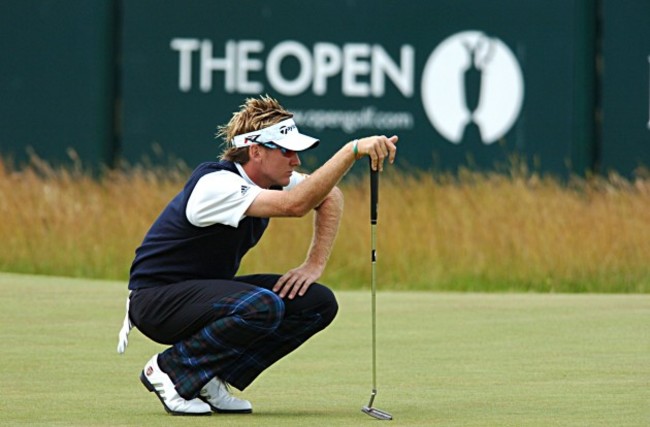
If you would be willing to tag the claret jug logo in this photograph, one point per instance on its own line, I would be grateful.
(472, 79)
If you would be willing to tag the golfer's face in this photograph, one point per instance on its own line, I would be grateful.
(280, 164)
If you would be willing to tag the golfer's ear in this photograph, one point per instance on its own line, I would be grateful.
(254, 151)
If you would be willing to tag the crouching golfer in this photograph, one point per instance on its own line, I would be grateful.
(223, 328)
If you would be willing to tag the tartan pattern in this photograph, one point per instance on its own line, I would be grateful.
(251, 334)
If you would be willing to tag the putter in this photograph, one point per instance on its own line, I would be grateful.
(374, 198)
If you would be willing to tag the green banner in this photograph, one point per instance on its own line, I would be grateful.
(461, 82)
(57, 81)
(626, 87)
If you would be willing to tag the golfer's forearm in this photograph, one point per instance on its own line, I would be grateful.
(326, 226)
(311, 192)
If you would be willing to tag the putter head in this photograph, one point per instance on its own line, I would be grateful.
(376, 413)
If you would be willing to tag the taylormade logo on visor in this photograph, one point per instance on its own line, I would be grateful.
(286, 129)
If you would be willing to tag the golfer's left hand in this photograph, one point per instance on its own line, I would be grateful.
(297, 281)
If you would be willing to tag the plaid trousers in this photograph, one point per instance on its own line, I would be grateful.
(241, 330)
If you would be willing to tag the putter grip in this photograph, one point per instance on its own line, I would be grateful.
(374, 195)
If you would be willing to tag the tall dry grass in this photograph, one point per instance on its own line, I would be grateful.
(482, 232)
(66, 222)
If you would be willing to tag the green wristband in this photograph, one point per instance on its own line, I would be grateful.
(355, 150)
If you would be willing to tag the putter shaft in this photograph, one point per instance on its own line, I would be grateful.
(373, 305)
(374, 196)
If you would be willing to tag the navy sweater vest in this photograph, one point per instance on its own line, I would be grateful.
(174, 250)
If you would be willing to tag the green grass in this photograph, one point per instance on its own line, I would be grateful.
(444, 359)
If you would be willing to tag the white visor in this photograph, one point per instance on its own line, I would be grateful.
(284, 134)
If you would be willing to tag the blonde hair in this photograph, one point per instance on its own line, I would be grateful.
(254, 114)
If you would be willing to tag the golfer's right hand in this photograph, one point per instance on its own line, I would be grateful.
(378, 148)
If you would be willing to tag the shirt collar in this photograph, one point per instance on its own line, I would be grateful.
(243, 174)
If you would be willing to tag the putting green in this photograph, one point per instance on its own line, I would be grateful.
(443, 359)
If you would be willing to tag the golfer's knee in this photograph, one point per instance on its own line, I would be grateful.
(331, 308)
(328, 306)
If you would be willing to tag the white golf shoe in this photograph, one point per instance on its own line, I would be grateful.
(155, 380)
(216, 394)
